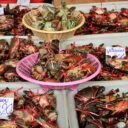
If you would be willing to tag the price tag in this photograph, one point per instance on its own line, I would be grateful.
(23, 2)
(1, 11)
(6, 107)
(119, 52)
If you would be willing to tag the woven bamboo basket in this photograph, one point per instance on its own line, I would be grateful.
(52, 35)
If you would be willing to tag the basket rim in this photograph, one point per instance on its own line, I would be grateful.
(60, 84)
(54, 32)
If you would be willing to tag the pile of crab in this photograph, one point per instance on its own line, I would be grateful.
(31, 110)
(104, 21)
(11, 21)
(96, 109)
(55, 65)
(116, 69)
(96, 22)
(59, 65)
(54, 19)
(11, 53)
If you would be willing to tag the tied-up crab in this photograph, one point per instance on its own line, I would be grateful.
(104, 21)
(17, 13)
(4, 48)
(21, 47)
(99, 51)
(39, 112)
(120, 64)
(7, 70)
(59, 67)
(109, 71)
(98, 110)
(54, 19)
(11, 53)
(8, 124)
(6, 22)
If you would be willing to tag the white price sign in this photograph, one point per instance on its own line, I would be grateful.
(1, 11)
(23, 2)
(119, 52)
(6, 107)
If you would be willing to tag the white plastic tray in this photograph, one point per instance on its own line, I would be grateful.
(107, 39)
(86, 7)
(73, 122)
(31, 5)
(8, 38)
(61, 108)
(108, 5)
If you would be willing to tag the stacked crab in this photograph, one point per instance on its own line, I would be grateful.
(98, 110)
(61, 66)
(11, 54)
(31, 110)
(11, 21)
(105, 22)
(114, 70)
(54, 19)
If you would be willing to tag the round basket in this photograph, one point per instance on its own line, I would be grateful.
(24, 66)
(52, 35)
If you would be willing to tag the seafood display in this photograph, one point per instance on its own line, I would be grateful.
(98, 109)
(11, 53)
(94, 106)
(31, 110)
(121, 64)
(53, 60)
(54, 19)
(6, 22)
(11, 21)
(111, 70)
(61, 66)
(104, 21)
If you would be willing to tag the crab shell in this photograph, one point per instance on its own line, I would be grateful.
(4, 45)
(118, 107)
(80, 72)
(6, 22)
(24, 118)
(2, 68)
(7, 124)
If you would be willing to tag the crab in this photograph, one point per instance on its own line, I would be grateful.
(98, 110)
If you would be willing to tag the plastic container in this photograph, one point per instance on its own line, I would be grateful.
(24, 66)
(73, 121)
(52, 35)
(60, 98)
(109, 5)
(31, 5)
(97, 39)
(107, 39)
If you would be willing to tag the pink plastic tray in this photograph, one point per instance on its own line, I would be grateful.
(24, 66)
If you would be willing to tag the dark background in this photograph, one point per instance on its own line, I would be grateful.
(48, 1)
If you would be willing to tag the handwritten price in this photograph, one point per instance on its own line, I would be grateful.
(119, 52)
(6, 107)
